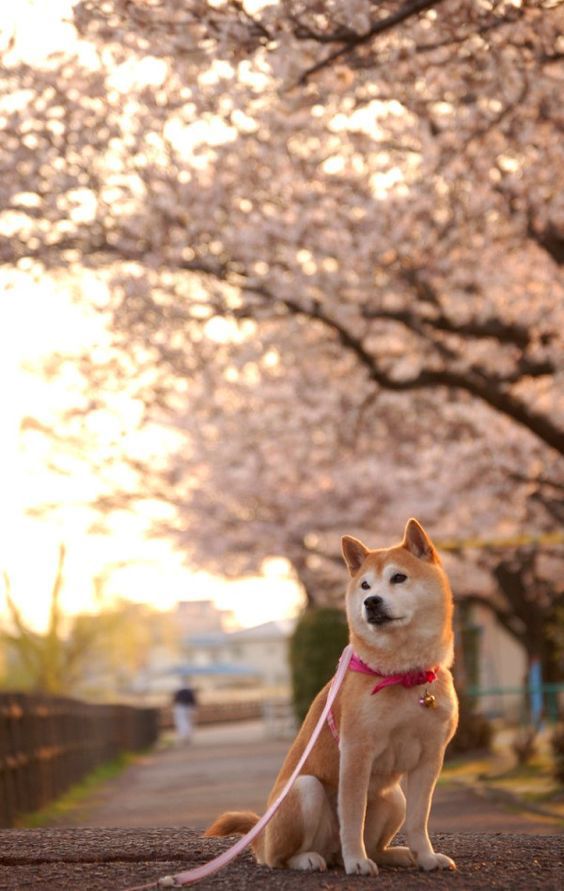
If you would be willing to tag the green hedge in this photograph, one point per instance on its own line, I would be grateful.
(557, 745)
(316, 644)
(474, 732)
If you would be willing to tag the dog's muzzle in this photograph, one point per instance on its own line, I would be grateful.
(376, 613)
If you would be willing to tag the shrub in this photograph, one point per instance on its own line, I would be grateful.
(316, 644)
(474, 731)
(557, 745)
(524, 744)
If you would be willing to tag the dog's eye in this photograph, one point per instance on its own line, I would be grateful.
(398, 578)
(365, 586)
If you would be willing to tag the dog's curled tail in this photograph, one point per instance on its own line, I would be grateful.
(232, 823)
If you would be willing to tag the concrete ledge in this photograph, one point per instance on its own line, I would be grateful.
(115, 859)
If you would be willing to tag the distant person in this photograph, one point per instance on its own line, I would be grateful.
(184, 706)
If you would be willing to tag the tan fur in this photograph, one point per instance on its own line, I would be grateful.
(232, 823)
(347, 804)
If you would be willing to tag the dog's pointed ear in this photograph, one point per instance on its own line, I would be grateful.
(418, 543)
(354, 553)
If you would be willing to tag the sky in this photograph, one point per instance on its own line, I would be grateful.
(39, 319)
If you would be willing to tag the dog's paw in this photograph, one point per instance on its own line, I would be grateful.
(397, 856)
(308, 860)
(432, 861)
(360, 866)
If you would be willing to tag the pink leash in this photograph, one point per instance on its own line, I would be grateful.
(191, 876)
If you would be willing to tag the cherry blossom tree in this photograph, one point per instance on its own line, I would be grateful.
(331, 235)
(354, 188)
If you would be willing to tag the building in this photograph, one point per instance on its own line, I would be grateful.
(251, 656)
(200, 617)
(490, 664)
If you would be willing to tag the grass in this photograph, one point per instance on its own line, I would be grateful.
(465, 768)
(531, 786)
(61, 807)
(533, 782)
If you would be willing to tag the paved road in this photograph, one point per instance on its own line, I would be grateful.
(101, 859)
(232, 767)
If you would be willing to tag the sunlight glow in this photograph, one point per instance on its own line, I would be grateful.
(48, 483)
(51, 31)
(33, 473)
(135, 73)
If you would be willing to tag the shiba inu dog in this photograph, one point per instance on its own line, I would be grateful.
(392, 719)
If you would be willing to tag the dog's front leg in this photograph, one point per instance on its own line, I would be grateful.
(354, 773)
(420, 787)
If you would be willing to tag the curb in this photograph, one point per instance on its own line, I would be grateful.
(507, 798)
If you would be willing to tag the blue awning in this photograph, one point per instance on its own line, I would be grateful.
(224, 669)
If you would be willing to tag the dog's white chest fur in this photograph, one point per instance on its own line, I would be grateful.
(400, 756)
(400, 732)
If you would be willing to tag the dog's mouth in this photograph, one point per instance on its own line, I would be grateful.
(382, 619)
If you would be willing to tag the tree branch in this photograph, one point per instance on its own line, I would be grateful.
(485, 390)
(475, 383)
(550, 239)
(503, 332)
(505, 618)
(409, 10)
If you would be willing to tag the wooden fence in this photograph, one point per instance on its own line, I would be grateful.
(49, 743)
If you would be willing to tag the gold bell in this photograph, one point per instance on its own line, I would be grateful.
(427, 700)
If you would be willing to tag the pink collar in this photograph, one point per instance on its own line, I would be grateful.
(406, 679)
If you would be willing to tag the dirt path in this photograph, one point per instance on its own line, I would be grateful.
(232, 767)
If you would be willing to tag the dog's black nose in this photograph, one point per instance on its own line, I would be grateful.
(374, 602)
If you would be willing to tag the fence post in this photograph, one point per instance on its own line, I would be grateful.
(48, 743)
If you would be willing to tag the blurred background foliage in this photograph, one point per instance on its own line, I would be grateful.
(316, 250)
(316, 644)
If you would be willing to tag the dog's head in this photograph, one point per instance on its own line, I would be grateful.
(399, 602)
